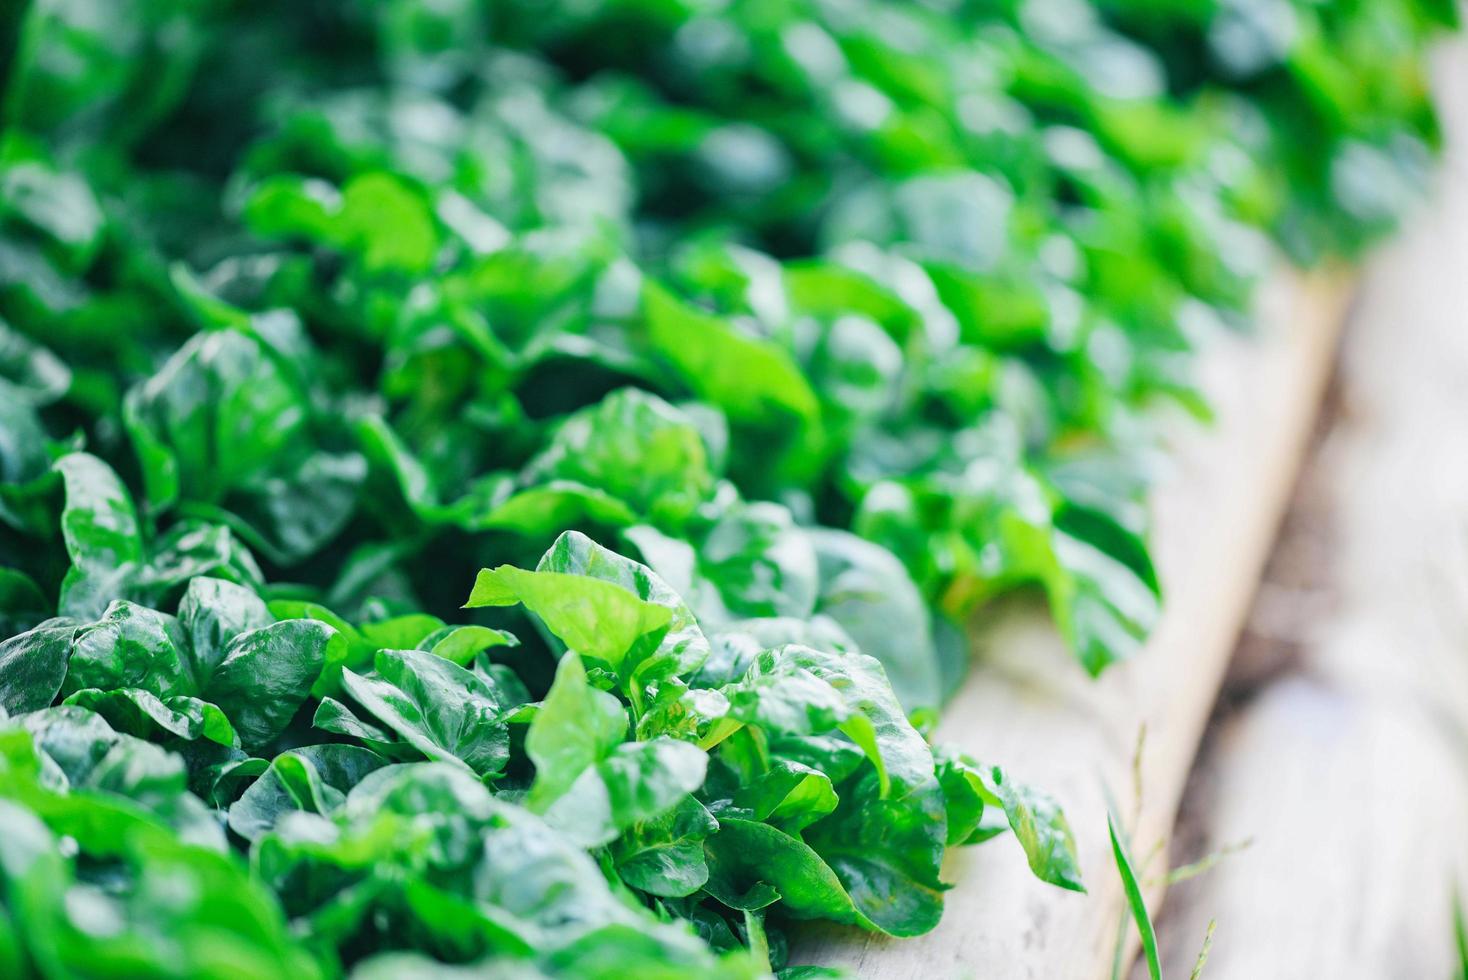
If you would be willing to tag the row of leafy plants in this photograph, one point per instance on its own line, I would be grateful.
(775, 337)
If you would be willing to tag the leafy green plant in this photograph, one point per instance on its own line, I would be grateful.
(671, 787)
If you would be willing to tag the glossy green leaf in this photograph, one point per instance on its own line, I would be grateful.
(33, 667)
(664, 856)
(635, 782)
(577, 726)
(140, 713)
(887, 852)
(313, 779)
(634, 447)
(103, 539)
(213, 612)
(132, 646)
(444, 711)
(679, 651)
(1038, 825)
(266, 675)
(591, 616)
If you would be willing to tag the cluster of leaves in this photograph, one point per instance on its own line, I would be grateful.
(405, 800)
(1334, 93)
(832, 313)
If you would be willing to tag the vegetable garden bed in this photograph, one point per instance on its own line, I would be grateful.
(1217, 511)
(501, 487)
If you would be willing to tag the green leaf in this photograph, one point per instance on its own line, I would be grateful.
(333, 716)
(192, 548)
(387, 223)
(313, 779)
(33, 370)
(636, 781)
(131, 646)
(400, 632)
(347, 647)
(788, 795)
(23, 461)
(100, 527)
(877, 722)
(80, 752)
(540, 879)
(1038, 825)
(634, 447)
(965, 797)
(461, 644)
(33, 667)
(746, 857)
(1104, 609)
(866, 590)
(266, 675)
(442, 710)
(749, 378)
(760, 562)
(781, 696)
(664, 856)
(225, 427)
(22, 605)
(142, 714)
(577, 726)
(376, 217)
(213, 907)
(213, 612)
(72, 738)
(591, 616)
(1135, 900)
(550, 508)
(679, 651)
(887, 851)
(58, 204)
(218, 413)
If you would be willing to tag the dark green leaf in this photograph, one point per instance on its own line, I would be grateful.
(444, 711)
(314, 779)
(103, 540)
(33, 667)
(664, 856)
(213, 612)
(132, 646)
(266, 675)
(140, 713)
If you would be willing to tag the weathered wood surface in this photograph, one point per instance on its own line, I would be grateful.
(1347, 762)
(1029, 707)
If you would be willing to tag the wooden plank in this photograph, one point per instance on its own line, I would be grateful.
(1350, 769)
(1030, 708)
